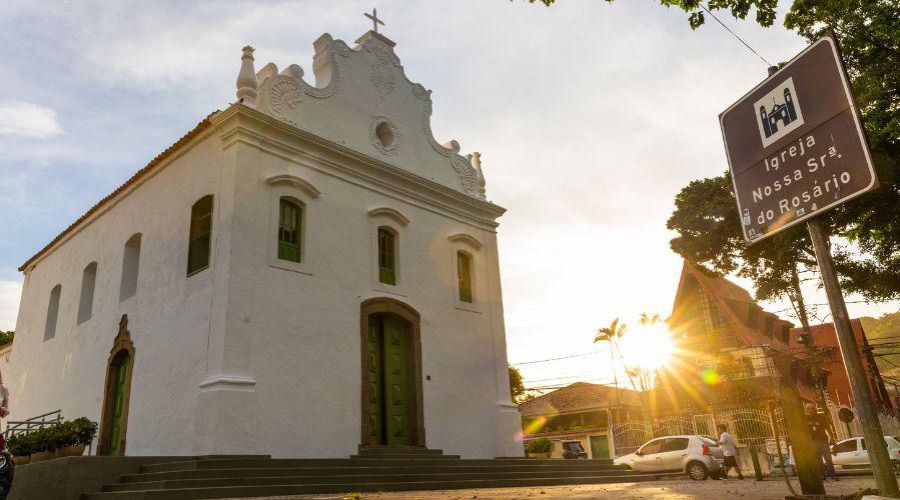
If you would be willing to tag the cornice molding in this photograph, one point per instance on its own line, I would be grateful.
(241, 124)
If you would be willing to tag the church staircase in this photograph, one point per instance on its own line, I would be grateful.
(369, 471)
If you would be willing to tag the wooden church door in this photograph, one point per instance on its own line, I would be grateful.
(389, 377)
(118, 398)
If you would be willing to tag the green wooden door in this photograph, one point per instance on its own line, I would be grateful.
(389, 376)
(599, 447)
(373, 353)
(117, 410)
(396, 382)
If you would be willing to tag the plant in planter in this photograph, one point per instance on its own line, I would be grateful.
(539, 448)
(42, 441)
(20, 446)
(79, 434)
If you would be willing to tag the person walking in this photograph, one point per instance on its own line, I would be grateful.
(822, 440)
(726, 441)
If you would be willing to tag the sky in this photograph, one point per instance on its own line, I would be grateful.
(590, 118)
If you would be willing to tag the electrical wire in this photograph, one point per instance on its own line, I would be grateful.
(768, 64)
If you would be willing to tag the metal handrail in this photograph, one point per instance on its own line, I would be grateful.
(19, 426)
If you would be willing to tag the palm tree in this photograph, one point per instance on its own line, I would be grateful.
(609, 334)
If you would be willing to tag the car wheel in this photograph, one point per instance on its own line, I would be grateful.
(697, 471)
(896, 466)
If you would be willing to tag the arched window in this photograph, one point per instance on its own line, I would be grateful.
(131, 259)
(290, 226)
(200, 233)
(464, 276)
(52, 313)
(387, 255)
(86, 301)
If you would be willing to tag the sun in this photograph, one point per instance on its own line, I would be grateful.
(648, 347)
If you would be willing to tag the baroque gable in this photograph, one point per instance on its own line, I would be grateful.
(362, 99)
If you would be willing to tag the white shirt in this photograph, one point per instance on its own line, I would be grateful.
(727, 441)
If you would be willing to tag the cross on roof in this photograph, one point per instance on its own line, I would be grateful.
(375, 21)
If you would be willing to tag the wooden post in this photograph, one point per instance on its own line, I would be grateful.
(865, 408)
(808, 462)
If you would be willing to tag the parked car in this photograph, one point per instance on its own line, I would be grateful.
(568, 448)
(852, 454)
(697, 456)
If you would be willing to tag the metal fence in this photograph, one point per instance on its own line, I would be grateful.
(750, 426)
(32, 424)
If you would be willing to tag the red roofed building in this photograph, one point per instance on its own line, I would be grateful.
(838, 385)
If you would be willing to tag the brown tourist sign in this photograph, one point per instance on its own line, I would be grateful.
(795, 144)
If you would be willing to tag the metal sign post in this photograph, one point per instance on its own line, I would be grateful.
(865, 407)
(796, 148)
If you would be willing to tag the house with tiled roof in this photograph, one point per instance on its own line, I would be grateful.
(837, 386)
(580, 411)
(730, 353)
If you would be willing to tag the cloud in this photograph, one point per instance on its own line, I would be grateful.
(28, 120)
(10, 292)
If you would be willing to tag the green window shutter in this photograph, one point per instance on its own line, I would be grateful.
(200, 235)
(387, 269)
(289, 228)
(464, 276)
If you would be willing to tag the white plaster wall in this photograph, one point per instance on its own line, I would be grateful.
(301, 329)
(169, 315)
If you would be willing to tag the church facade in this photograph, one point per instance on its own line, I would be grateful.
(304, 274)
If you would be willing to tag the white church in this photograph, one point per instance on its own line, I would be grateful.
(306, 273)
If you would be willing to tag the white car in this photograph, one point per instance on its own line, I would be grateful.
(698, 456)
(852, 454)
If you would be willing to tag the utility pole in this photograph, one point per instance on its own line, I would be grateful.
(865, 407)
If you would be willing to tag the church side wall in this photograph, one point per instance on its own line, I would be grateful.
(300, 325)
(168, 316)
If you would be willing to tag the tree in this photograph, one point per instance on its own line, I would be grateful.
(516, 386)
(6, 337)
(765, 9)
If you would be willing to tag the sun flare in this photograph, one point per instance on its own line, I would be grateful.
(648, 347)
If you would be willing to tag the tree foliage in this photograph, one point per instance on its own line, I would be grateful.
(6, 337)
(764, 9)
(706, 218)
(516, 386)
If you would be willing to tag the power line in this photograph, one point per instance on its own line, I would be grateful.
(554, 359)
(735, 35)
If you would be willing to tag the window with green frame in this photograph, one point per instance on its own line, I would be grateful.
(289, 227)
(200, 234)
(387, 266)
(464, 276)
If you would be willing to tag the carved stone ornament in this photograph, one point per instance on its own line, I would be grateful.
(384, 135)
(383, 78)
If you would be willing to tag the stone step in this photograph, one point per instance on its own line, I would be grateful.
(406, 456)
(399, 451)
(430, 468)
(350, 462)
(392, 477)
(276, 490)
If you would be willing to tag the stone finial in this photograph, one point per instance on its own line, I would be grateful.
(479, 179)
(246, 80)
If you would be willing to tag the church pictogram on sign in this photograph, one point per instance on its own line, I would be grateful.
(778, 118)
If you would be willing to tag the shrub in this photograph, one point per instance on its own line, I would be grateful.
(20, 445)
(84, 431)
(539, 445)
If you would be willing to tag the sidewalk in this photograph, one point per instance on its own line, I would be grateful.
(680, 489)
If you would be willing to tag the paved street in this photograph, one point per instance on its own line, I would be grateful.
(681, 489)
